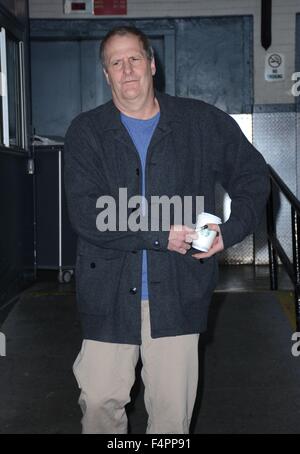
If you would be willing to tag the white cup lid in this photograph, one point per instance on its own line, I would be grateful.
(207, 218)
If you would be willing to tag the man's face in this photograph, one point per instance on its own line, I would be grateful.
(128, 71)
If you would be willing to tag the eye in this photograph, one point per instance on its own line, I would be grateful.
(135, 59)
(116, 63)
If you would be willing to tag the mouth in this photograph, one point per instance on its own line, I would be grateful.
(129, 81)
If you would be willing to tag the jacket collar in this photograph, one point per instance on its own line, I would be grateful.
(168, 115)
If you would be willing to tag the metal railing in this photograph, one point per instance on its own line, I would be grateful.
(275, 248)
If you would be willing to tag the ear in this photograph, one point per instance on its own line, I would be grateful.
(153, 67)
(106, 76)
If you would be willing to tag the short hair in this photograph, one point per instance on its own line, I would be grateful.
(122, 31)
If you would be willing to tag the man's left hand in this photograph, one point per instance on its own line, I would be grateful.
(217, 245)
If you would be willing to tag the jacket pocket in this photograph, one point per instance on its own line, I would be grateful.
(198, 278)
(97, 283)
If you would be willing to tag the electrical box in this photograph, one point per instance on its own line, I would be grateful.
(78, 6)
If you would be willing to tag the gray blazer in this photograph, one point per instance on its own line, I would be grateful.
(194, 146)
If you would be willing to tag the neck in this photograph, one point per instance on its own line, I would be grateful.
(142, 111)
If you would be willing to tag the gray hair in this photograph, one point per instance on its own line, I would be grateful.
(122, 31)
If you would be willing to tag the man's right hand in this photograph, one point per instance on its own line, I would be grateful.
(180, 238)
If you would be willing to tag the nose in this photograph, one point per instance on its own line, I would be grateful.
(127, 67)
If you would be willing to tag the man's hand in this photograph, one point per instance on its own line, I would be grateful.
(217, 245)
(180, 238)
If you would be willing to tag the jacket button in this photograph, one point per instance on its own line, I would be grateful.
(156, 243)
(133, 290)
(137, 171)
(93, 265)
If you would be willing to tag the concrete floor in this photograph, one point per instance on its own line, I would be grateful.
(249, 381)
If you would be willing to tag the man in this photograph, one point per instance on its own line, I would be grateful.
(147, 291)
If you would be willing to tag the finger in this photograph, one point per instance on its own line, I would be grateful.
(202, 255)
(205, 255)
(182, 251)
(216, 241)
(214, 227)
(178, 227)
(190, 237)
(182, 228)
(185, 246)
(188, 229)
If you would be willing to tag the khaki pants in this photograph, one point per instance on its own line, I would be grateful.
(105, 372)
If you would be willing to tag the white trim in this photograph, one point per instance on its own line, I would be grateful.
(5, 117)
(22, 96)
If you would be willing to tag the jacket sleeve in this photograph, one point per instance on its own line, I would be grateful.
(245, 176)
(84, 183)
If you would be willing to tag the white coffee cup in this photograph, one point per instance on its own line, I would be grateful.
(205, 236)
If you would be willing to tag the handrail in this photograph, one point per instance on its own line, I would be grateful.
(274, 246)
(284, 189)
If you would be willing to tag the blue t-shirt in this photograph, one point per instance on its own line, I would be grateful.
(141, 132)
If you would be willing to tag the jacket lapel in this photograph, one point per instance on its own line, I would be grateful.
(163, 129)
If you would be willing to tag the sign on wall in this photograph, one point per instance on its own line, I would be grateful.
(78, 6)
(110, 7)
(96, 7)
(274, 67)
